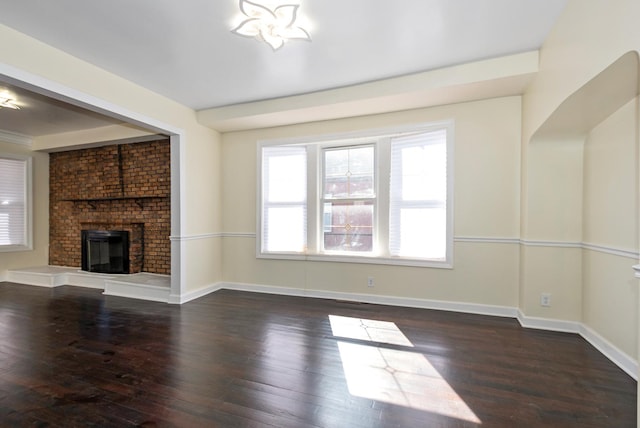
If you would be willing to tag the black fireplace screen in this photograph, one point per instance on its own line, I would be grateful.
(105, 251)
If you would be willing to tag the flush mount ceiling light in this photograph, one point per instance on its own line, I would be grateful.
(273, 26)
(8, 102)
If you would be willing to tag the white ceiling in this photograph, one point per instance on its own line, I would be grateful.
(41, 115)
(185, 50)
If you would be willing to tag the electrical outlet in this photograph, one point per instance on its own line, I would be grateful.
(370, 281)
(545, 299)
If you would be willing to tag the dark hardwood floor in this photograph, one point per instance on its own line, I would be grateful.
(70, 356)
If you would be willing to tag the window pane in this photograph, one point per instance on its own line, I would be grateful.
(418, 194)
(348, 226)
(349, 172)
(286, 177)
(424, 172)
(285, 229)
(284, 205)
(13, 197)
(423, 233)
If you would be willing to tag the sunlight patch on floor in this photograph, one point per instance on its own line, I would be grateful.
(369, 330)
(391, 375)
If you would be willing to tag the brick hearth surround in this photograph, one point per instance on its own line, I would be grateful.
(116, 187)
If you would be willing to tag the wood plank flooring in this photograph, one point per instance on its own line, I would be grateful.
(70, 356)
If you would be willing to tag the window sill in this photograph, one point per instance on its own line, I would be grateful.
(15, 248)
(393, 261)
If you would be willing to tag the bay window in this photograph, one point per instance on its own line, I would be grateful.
(377, 197)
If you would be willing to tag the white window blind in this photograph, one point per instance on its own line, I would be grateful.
(284, 196)
(418, 195)
(13, 202)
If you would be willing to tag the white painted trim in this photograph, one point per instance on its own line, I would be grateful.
(196, 237)
(636, 269)
(178, 207)
(555, 244)
(585, 246)
(486, 240)
(606, 348)
(15, 138)
(239, 235)
(195, 294)
(620, 358)
(472, 308)
(548, 324)
(612, 251)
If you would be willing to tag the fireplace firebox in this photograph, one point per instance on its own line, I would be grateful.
(105, 251)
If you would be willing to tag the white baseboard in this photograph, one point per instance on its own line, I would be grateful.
(178, 299)
(548, 324)
(620, 358)
(606, 348)
(472, 308)
(37, 279)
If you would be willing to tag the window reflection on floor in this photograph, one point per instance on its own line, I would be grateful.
(392, 374)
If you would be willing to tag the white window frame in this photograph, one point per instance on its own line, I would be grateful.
(381, 254)
(28, 204)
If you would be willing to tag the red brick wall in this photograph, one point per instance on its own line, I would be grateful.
(83, 185)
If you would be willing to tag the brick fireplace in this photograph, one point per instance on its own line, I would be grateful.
(118, 187)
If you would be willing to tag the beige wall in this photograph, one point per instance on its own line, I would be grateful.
(487, 141)
(611, 181)
(200, 148)
(589, 37)
(611, 220)
(40, 253)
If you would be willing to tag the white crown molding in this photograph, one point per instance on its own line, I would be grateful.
(15, 138)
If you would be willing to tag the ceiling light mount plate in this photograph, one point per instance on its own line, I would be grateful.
(273, 25)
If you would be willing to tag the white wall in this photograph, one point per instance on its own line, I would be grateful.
(487, 159)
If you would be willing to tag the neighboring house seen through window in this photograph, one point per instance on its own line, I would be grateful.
(377, 197)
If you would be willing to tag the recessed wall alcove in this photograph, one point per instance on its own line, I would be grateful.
(115, 187)
(580, 198)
